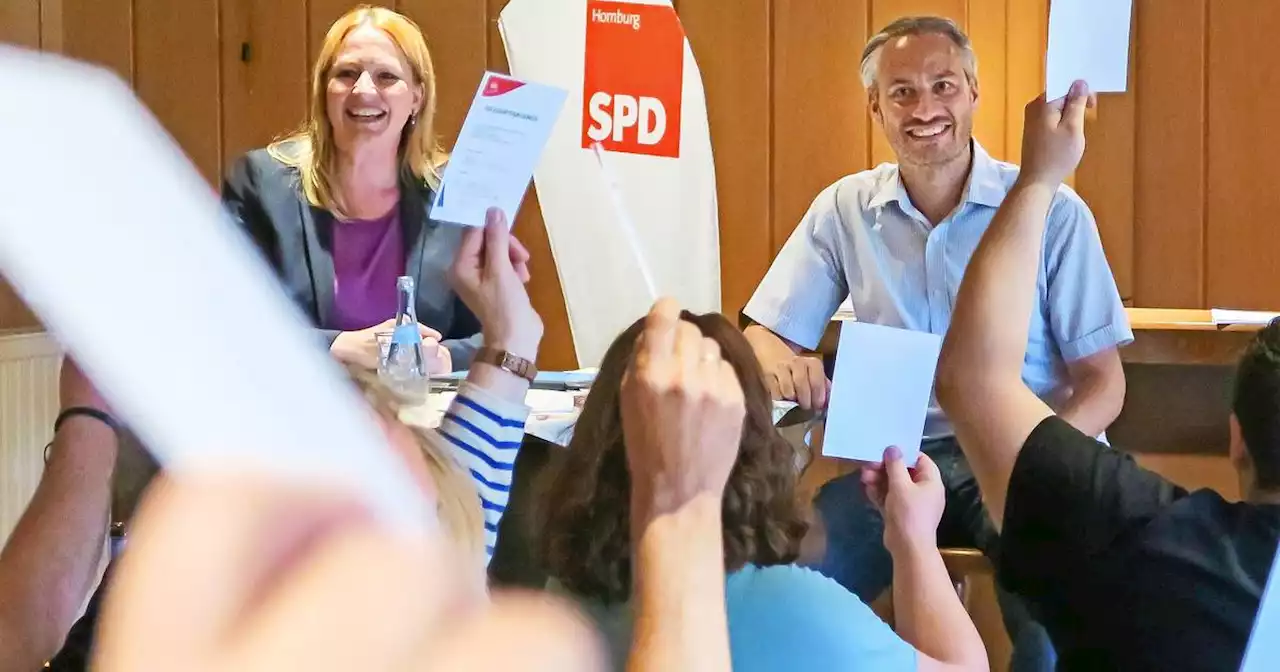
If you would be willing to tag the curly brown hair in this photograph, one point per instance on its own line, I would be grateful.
(585, 504)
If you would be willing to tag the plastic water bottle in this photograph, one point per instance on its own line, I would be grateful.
(404, 369)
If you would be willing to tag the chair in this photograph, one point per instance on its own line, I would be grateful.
(963, 564)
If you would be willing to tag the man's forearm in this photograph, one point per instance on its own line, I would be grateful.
(51, 560)
(679, 588)
(929, 615)
(1094, 404)
(770, 348)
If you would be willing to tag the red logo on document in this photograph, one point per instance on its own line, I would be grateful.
(633, 79)
(497, 85)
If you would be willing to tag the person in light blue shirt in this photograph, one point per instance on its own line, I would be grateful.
(781, 617)
(894, 241)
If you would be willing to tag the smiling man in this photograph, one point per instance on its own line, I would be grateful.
(896, 240)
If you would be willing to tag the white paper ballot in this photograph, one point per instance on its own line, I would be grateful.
(1224, 316)
(1089, 40)
(497, 150)
(131, 262)
(1263, 651)
(880, 391)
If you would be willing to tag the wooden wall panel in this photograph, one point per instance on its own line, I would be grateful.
(544, 287)
(1169, 172)
(1028, 33)
(99, 31)
(733, 53)
(457, 34)
(177, 75)
(264, 72)
(320, 15)
(821, 130)
(1105, 178)
(1242, 195)
(20, 22)
(51, 26)
(988, 24)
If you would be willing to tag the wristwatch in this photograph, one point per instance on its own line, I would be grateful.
(508, 362)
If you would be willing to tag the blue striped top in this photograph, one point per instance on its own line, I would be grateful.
(484, 432)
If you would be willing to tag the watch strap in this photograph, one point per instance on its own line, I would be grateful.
(507, 361)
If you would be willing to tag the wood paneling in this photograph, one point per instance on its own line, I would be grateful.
(1105, 178)
(544, 288)
(99, 31)
(821, 130)
(264, 72)
(732, 51)
(177, 75)
(1028, 33)
(1169, 170)
(457, 34)
(1241, 188)
(320, 15)
(988, 24)
(20, 22)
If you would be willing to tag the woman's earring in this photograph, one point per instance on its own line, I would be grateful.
(413, 120)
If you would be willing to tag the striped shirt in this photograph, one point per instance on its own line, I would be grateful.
(485, 433)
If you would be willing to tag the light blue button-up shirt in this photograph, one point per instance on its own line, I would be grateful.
(862, 238)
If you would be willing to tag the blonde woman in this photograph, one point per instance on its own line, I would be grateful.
(340, 207)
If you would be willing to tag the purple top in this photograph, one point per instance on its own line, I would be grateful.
(368, 256)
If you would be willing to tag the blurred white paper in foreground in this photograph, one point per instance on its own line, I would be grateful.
(111, 236)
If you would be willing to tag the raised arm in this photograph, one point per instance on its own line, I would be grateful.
(980, 371)
(927, 612)
(50, 562)
(485, 423)
(682, 415)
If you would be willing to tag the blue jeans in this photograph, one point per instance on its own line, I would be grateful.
(857, 559)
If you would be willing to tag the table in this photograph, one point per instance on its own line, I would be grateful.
(1178, 372)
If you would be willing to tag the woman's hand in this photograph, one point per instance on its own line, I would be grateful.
(227, 573)
(682, 413)
(489, 274)
(361, 348)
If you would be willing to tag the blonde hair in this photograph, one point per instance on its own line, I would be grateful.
(312, 148)
(459, 500)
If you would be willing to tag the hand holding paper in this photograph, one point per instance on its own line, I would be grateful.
(880, 392)
(497, 150)
(1089, 40)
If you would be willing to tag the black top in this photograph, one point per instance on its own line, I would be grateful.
(264, 196)
(1126, 570)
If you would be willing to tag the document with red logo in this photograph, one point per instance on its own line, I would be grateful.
(498, 149)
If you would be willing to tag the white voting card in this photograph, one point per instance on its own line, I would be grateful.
(1089, 40)
(119, 245)
(1226, 316)
(1263, 651)
(498, 148)
(880, 391)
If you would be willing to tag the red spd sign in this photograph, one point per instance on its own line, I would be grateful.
(634, 78)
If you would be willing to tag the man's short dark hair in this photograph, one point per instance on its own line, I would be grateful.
(917, 25)
(1256, 404)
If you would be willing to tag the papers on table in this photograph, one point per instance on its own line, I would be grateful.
(1089, 40)
(164, 303)
(498, 148)
(1223, 316)
(880, 391)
